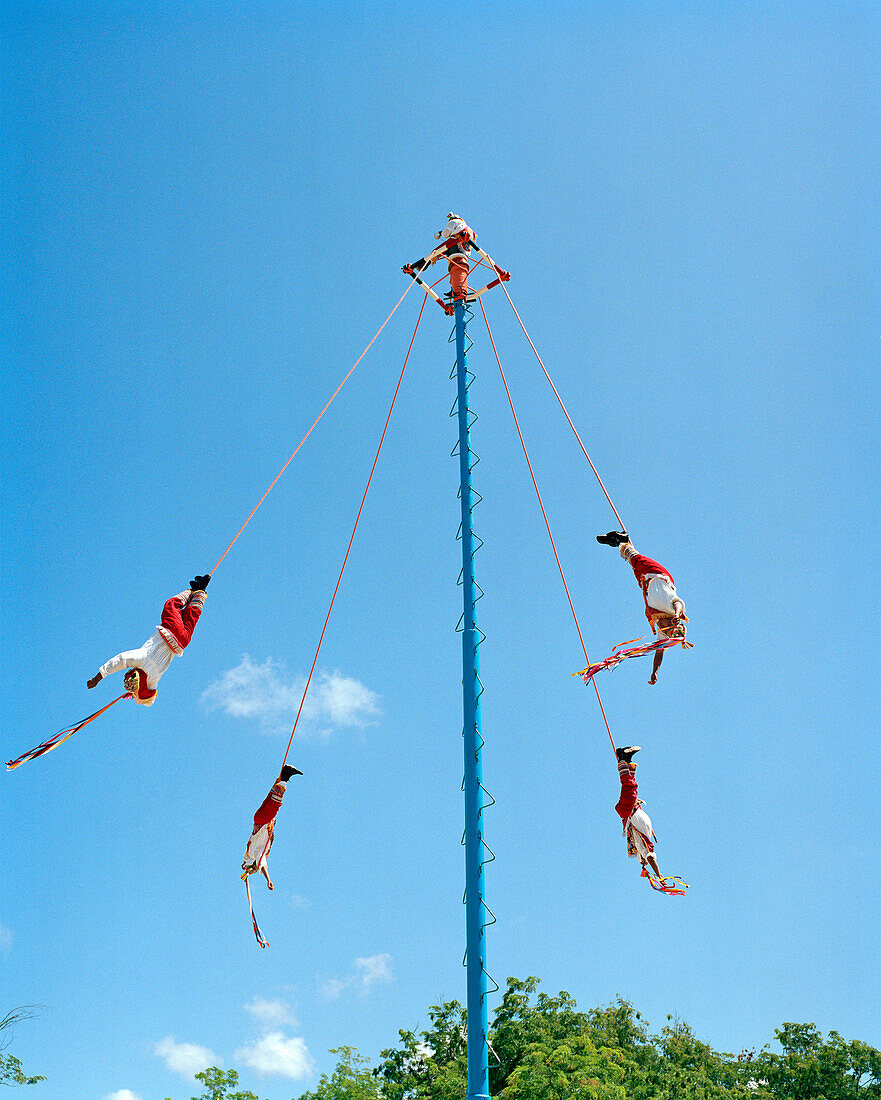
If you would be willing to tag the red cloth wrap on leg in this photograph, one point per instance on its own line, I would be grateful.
(269, 807)
(629, 793)
(180, 622)
(644, 567)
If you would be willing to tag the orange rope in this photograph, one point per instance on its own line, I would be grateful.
(565, 411)
(471, 270)
(306, 436)
(354, 529)
(544, 514)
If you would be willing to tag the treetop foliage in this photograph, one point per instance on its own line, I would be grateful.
(545, 1048)
(11, 1072)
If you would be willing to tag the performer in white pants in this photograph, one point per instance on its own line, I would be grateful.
(147, 664)
(664, 608)
(264, 827)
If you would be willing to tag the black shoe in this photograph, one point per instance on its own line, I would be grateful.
(287, 771)
(613, 538)
(626, 754)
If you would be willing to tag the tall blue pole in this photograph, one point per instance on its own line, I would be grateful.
(475, 919)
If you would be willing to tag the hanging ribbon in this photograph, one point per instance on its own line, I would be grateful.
(662, 884)
(61, 736)
(258, 934)
(618, 654)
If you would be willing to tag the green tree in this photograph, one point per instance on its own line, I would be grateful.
(692, 1070)
(571, 1069)
(432, 1065)
(811, 1068)
(544, 1048)
(218, 1082)
(351, 1080)
(519, 1025)
(526, 1033)
(11, 1072)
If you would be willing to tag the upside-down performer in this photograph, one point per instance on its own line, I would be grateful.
(457, 236)
(638, 826)
(263, 833)
(147, 664)
(262, 837)
(664, 608)
(144, 665)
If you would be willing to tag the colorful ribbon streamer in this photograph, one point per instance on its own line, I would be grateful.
(618, 654)
(61, 736)
(259, 935)
(661, 884)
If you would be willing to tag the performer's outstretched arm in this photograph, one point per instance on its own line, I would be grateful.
(129, 659)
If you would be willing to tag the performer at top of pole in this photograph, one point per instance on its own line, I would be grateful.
(460, 234)
(457, 237)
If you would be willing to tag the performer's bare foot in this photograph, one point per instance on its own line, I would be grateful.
(94, 681)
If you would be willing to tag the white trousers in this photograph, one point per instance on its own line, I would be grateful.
(258, 848)
(640, 829)
(153, 657)
(659, 594)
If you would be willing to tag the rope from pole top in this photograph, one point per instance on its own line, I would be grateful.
(545, 517)
(565, 411)
(314, 424)
(354, 529)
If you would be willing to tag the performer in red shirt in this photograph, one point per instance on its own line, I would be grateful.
(264, 827)
(664, 608)
(147, 664)
(637, 823)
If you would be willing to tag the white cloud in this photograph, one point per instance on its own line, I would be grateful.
(333, 987)
(187, 1059)
(368, 971)
(258, 691)
(5, 939)
(376, 968)
(271, 1013)
(279, 1055)
(299, 902)
(344, 701)
(122, 1094)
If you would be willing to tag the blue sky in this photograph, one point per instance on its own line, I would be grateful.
(207, 211)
